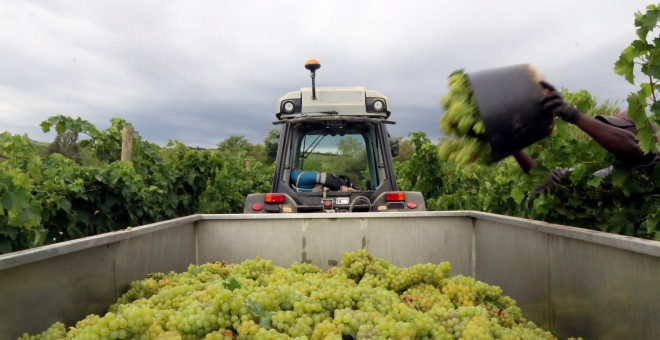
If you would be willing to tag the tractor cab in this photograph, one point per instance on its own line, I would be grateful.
(333, 154)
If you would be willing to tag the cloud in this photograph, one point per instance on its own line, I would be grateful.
(200, 72)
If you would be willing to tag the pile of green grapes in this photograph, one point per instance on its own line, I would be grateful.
(365, 298)
(467, 140)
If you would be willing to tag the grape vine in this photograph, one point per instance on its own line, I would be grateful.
(50, 198)
(645, 53)
(626, 202)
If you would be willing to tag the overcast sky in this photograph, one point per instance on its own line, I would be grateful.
(200, 71)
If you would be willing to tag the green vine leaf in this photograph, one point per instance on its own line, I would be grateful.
(595, 181)
(232, 284)
(518, 195)
(15, 199)
(648, 21)
(625, 66)
(265, 317)
(655, 109)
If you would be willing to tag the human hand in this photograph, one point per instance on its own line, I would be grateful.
(553, 102)
(345, 188)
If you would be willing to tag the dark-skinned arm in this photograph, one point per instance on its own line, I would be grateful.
(525, 161)
(620, 142)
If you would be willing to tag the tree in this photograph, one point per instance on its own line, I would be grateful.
(270, 142)
(239, 145)
(66, 144)
(235, 143)
(349, 146)
(406, 150)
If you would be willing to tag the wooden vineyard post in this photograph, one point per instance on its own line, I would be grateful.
(127, 144)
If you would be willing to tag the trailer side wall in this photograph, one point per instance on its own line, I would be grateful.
(574, 282)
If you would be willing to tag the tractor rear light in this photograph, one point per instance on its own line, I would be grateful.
(257, 206)
(411, 204)
(274, 198)
(395, 196)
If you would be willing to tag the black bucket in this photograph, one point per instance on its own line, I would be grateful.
(507, 99)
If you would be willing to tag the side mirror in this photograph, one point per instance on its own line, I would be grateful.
(271, 148)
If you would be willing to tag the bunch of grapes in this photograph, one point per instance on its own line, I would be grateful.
(467, 291)
(424, 297)
(377, 299)
(420, 273)
(257, 269)
(365, 298)
(355, 263)
(55, 331)
(326, 330)
(462, 122)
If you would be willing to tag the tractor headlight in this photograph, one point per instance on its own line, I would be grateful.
(376, 105)
(288, 106)
(379, 105)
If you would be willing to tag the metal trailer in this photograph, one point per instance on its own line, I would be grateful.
(571, 281)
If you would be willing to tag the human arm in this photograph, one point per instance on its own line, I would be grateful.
(331, 181)
(525, 161)
(618, 141)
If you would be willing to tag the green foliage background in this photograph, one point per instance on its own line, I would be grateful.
(627, 202)
(47, 198)
(50, 198)
(75, 188)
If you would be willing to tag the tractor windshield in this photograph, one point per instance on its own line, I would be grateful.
(342, 148)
